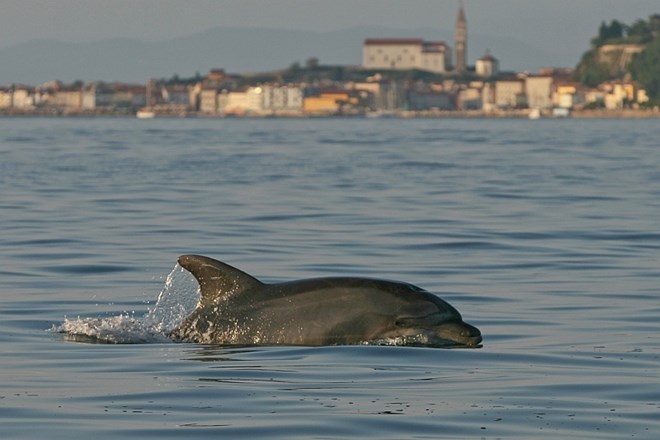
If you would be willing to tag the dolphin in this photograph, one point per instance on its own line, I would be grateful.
(237, 309)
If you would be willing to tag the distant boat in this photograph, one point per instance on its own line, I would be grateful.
(534, 114)
(145, 113)
(382, 114)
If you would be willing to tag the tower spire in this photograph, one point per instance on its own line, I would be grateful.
(461, 40)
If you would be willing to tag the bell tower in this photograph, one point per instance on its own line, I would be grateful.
(461, 40)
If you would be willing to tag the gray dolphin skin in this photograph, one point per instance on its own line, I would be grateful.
(237, 309)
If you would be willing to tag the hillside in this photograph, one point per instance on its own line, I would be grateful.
(624, 51)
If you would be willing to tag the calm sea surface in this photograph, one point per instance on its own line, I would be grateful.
(544, 234)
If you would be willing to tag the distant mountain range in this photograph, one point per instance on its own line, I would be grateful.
(237, 50)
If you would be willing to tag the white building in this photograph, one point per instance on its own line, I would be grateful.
(509, 93)
(539, 91)
(6, 98)
(404, 54)
(282, 98)
(208, 101)
(22, 98)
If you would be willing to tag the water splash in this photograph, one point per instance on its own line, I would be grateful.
(178, 298)
(176, 301)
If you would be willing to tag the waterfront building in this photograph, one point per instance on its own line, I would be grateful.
(69, 99)
(245, 101)
(567, 95)
(237, 102)
(329, 102)
(22, 98)
(6, 97)
(208, 101)
(429, 100)
(470, 98)
(178, 94)
(618, 93)
(322, 104)
(278, 98)
(510, 93)
(391, 96)
(488, 97)
(539, 91)
(97, 95)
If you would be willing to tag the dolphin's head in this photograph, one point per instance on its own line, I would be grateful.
(450, 334)
(457, 333)
(434, 322)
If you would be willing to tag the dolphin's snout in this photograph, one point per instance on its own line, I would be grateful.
(474, 340)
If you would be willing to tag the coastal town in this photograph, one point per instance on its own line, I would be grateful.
(406, 77)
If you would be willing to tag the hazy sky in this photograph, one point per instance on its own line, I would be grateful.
(541, 23)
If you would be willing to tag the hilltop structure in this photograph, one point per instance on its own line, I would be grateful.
(405, 54)
(487, 66)
(415, 53)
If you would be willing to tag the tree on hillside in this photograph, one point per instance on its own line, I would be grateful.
(590, 71)
(312, 63)
(654, 25)
(645, 68)
(640, 31)
(615, 30)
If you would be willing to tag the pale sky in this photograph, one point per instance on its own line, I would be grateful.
(563, 27)
(85, 20)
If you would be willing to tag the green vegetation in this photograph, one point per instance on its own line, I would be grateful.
(590, 71)
(645, 68)
(597, 66)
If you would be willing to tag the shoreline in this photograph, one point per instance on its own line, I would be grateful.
(448, 114)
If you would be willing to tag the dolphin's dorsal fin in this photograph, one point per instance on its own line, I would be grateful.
(217, 279)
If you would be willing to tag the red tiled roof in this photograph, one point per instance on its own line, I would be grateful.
(393, 41)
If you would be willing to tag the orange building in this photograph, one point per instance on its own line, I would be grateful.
(327, 102)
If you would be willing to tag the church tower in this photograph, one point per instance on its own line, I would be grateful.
(461, 41)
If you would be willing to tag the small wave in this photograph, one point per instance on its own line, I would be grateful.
(120, 329)
(175, 302)
(419, 340)
(399, 341)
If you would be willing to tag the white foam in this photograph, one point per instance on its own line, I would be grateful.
(178, 298)
(122, 329)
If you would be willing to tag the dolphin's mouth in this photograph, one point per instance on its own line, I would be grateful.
(470, 335)
(473, 342)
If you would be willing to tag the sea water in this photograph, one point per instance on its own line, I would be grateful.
(544, 234)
